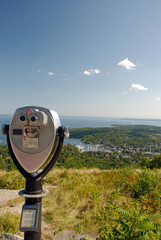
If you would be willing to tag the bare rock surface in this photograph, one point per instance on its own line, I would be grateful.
(7, 236)
(64, 235)
(69, 235)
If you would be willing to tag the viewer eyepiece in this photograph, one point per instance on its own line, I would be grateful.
(33, 119)
(22, 118)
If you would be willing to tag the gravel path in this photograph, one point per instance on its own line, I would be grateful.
(6, 195)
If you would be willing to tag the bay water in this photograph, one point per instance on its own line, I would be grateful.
(86, 122)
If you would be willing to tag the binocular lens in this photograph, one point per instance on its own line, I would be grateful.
(22, 118)
(33, 119)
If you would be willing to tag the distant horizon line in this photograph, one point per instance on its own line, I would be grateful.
(122, 118)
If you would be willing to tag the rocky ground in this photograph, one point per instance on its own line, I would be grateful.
(6, 198)
(64, 235)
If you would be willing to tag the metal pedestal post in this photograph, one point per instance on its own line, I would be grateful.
(34, 235)
(31, 211)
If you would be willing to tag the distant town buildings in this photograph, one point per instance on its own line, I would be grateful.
(111, 148)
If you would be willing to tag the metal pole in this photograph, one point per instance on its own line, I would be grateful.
(34, 187)
(31, 235)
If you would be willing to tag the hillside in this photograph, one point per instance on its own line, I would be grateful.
(95, 202)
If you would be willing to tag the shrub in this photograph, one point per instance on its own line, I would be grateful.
(11, 180)
(146, 182)
(134, 224)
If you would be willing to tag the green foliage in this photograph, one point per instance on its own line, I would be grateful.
(134, 224)
(137, 220)
(106, 232)
(9, 223)
(155, 163)
(11, 180)
(70, 157)
(6, 163)
(91, 200)
(146, 182)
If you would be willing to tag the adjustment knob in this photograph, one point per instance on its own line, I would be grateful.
(5, 129)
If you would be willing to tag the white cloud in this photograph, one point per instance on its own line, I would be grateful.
(87, 73)
(51, 73)
(91, 71)
(96, 71)
(138, 87)
(157, 98)
(127, 64)
(125, 93)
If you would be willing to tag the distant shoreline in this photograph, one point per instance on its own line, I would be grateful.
(141, 119)
(98, 117)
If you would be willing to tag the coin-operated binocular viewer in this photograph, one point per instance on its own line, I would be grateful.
(35, 139)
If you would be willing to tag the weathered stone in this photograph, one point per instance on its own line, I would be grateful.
(7, 236)
(69, 235)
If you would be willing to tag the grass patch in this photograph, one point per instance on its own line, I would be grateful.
(9, 223)
(16, 201)
(12, 180)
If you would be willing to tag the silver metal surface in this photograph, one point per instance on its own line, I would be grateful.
(23, 194)
(32, 135)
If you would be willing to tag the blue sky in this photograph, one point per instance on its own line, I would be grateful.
(81, 57)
